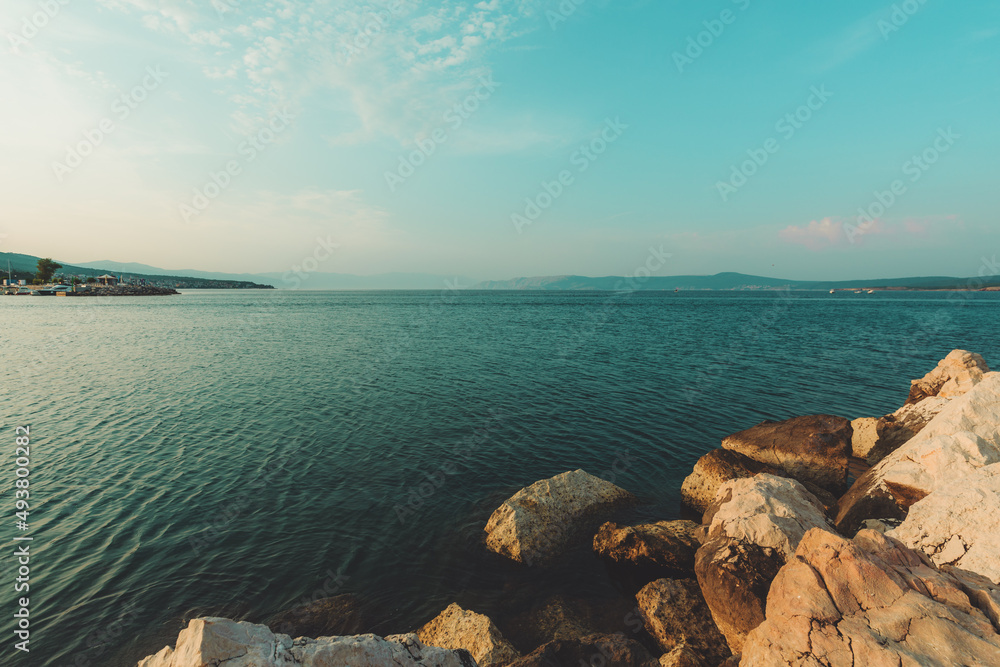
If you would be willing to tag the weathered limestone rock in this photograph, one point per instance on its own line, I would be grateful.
(715, 469)
(328, 617)
(456, 628)
(901, 426)
(769, 511)
(216, 641)
(676, 614)
(872, 602)
(608, 650)
(954, 376)
(962, 438)
(735, 577)
(538, 521)
(681, 656)
(666, 544)
(813, 448)
(555, 618)
(959, 525)
(864, 436)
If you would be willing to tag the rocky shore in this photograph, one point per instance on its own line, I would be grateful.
(822, 543)
(127, 290)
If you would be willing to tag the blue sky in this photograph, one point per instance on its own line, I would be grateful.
(241, 136)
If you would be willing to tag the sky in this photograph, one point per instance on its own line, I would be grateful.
(504, 138)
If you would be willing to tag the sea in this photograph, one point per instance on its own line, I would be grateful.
(234, 453)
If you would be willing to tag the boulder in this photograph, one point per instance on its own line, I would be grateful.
(675, 614)
(328, 617)
(735, 577)
(962, 438)
(560, 617)
(769, 511)
(216, 641)
(715, 469)
(616, 650)
(456, 628)
(668, 545)
(959, 525)
(681, 656)
(873, 602)
(954, 376)
(536, 523)
(864, 436)
(733, 661)
(812, 448)
(901, 426)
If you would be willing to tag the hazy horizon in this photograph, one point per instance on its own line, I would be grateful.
(413, 137)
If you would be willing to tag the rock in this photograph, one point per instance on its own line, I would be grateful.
(734, 661)
(872, 602)
(954, 376)
(735, 577)
(681, 656)
(609, 650)
(560, 617)
(456, 628)
(900, 427)
(328, 617)
(959, 525)
(864, 436)
(676, 614)
(813, 448)
(537, 522)
(666, 544)
(769, 511)
(214, 641)
(962, 438)
(880, 525)
(713, 470)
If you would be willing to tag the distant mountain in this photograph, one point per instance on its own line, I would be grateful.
(136, 268)
(726, 281)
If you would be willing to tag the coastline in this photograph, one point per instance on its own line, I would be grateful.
(709, 585)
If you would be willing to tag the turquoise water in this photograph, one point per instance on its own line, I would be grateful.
(230, 452)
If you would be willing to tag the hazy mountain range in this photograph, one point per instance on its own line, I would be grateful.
(342, 281)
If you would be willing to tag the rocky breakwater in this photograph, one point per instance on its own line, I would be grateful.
(777, 574)
(128, 290)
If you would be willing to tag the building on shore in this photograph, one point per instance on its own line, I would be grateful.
(107, 281)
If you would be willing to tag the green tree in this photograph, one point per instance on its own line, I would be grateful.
(91, 280)
(46, 269)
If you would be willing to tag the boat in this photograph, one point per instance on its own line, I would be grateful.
(833, 291)
(23, 292)
(871, 291)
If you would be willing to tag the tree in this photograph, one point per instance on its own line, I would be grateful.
(91, 280)
(46, 269)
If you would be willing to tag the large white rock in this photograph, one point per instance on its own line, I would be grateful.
(538, 521)
(962, 438)
(220, 641)
(959, 524)
(769, 511)
(954, 376)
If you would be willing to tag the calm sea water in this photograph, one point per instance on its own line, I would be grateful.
(227, 452)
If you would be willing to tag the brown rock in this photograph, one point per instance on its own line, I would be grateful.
(609, 650)
(813, 448)
(676, 614)
(666, 544)
(895, 430)
(329, 617)
(735, 577)
(456, 628)
(681, 656)
(955, 375)
(864, 436)
(872, 602)
(715, 469)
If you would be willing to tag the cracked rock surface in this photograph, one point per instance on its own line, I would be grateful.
(220, 642)
(873, 602)
(715, 469)
(537, 522)
(954, 376)
(959, 525)
(456, 628)
(675, 614)
(669, 545)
